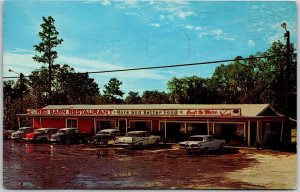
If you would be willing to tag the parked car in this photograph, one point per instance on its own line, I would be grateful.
(41, 135)
(69, 135)
(204, 143)
(106, 137)
(7, 133)
(21, 133)
(137, 139)
(182, 144)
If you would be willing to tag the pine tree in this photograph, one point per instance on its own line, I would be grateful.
(45, 53)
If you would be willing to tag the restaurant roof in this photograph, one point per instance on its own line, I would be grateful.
(248, 110)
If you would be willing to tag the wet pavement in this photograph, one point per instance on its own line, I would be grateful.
(84, 166)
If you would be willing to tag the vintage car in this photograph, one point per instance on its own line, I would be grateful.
(182, 144)
(41, 135)
(137, 139)
(7, 133)
(106, 137)
(21, 133)
(69, 135)
(204, 143)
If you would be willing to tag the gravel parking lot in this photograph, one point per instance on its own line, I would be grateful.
(47, 166)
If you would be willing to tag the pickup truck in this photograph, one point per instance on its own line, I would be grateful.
(137, 139)
(204, 143)
(69, 135)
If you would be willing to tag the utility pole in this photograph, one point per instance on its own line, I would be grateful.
(287, 78)
(21, 86)
(21, 76)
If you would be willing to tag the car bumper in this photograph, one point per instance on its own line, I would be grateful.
(123, 145)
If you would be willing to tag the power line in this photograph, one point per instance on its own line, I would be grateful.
(171, 66)
(180, 65)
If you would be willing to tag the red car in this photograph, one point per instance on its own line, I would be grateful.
(41, 135)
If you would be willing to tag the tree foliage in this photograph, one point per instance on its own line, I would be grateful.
(112, 93)
(155, 97)
(69, 87)
(133, 98)
(45, 49)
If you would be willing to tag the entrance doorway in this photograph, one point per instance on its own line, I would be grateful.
(196, 129)
(140, 126)
(100, 125)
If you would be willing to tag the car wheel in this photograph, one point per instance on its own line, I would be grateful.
(157, 142)
(221, 147)
(140, 146)
(43, 140)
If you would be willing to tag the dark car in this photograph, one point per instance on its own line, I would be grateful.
(69, 135)
(106, 137)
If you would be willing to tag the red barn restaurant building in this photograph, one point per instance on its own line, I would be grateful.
(174, 122)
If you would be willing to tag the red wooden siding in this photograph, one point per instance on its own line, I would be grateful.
(54, 122)
(86, 125)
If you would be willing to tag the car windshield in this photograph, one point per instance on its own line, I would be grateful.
(62, 131)
(40, 131)
(133, 134)
(23, 129)
(196, 139)
(103, 133)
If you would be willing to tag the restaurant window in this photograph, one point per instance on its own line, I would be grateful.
(71, 123)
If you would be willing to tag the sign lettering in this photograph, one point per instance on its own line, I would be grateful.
(129, 112)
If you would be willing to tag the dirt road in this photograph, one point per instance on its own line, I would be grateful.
(45, 166)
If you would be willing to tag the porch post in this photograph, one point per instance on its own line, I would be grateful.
(207, 123)
(19, 122)
(282, 125)
(95, 126)
(249, 133)
(165, 129)
(185, 131)
(245, 130)
(126, 125)
(213, 128)
(257, 131)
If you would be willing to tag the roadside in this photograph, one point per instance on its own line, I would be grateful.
(273, 170)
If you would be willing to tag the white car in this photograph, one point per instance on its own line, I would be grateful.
(182, 144)
(21, 133)
(137, 139)
(204, 143)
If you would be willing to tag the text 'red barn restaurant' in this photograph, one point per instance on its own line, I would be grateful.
(174, 122)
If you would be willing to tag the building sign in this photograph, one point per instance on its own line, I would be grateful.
(140, 112)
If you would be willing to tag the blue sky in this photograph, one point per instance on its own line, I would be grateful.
(107, 35)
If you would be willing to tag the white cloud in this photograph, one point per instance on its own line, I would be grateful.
(155, 25)
(131, 3)
(161, 17)
(25, 64)
(217, 34)
(196, 28)
(105, 2)
(184, 14)
(131, 13)
(174, 9)
(251, 43)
